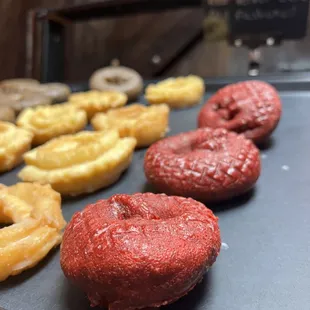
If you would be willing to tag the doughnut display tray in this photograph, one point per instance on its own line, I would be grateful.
(265, 258)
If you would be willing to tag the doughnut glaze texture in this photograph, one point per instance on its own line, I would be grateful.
(205, 164)
(251, 107)
(142, 250)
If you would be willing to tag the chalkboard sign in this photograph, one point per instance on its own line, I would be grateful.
(286, 19)
(256, 20)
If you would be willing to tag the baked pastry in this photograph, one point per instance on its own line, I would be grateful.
(48, 122)
(94, 101)
(14, 142)
(7, 114)
(146, 124)
(20, 99)
(36, 229)
(139, 251)
(178, 92)
(207, 164)
(57, 92)
(80, 163)
(19, 83)
(251, 107)
(117, 78)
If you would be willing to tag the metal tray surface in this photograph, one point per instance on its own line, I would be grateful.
(265, 261)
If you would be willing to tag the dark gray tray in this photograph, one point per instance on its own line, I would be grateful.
(266, 263)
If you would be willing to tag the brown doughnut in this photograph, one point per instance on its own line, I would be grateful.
(58, 92)
(136, 251)
(7, 114)
(19, 83)
(251, 107)
(121, 79)
(21, 99)
(205, 164)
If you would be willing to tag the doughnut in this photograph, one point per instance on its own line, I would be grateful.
(251, 107)
(117, 78)
(141, 250)
(79, 163)
(37, 225)
(178, 92)
(21, 82)
(21, 99)
(146, 124)
(7, 114)
(14, 142)
(58, 92)
(94, 101)
(206, 164)
(47, 122)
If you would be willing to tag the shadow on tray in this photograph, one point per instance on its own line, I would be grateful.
(76, 300)
(267, 144)
(216, 207)
(233, 203)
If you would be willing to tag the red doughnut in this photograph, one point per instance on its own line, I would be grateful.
(205, 164)
(251, 107)
(143, 250)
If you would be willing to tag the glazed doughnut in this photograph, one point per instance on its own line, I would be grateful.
(94, 101)
(58, 92)
(14, 142)
(47, 122)
(121, 79)
(178, 92)
(146, 124)
(205, 164)
(141, 250)
(21, 99)
(36, 229)
(80, 163)
(251, 107)
(7, 114)
(21, 82)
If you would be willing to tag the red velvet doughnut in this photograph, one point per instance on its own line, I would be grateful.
(205, 164)
(143, 250)
(252, 108)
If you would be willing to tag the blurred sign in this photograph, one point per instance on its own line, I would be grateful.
(257, 20)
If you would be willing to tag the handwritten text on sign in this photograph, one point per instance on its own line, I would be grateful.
(284, 18)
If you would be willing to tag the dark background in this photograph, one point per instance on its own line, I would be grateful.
(135, 40)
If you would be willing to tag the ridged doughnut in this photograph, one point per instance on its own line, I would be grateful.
(80, 163)
(146, 124)
(94, 101)
(205, 164)
(35, 212)
(178, 92)
(48, 122)
(251, 107)
(14, 142)
(136, 251)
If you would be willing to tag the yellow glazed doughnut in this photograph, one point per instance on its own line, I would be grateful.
(80, 163)
(35, 212)
(146, 124)
(47, 122)
(95, 101)
(178, 92)
(14, 142)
